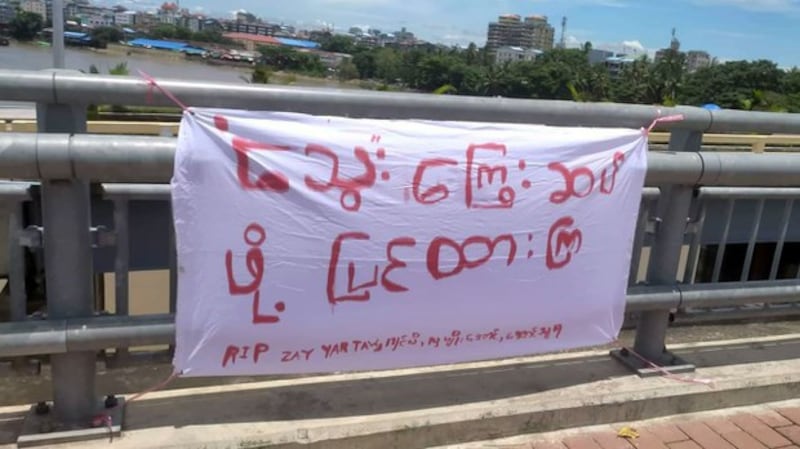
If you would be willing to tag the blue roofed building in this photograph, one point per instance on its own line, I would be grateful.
(76, 38)
(299, 43)
(162, 45)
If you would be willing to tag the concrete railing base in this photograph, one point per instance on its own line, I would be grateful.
(457, 404)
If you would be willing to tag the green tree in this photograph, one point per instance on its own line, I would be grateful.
(667, 77)
(101, 36)
(211, 36)
(25, 25)
(735, 84)
(347, 70)
(337, 43)
(260, 75)
(388, 65)
(167, 31)
(121, 69)
(288, 59)
(364, 60)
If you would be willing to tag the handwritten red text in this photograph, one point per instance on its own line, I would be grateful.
(245, 352)
(254, 237)
(580, 182)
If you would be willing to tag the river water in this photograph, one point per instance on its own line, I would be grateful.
(30, 57)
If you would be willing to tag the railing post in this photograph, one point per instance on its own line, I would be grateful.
(665, 258)
(68, 271)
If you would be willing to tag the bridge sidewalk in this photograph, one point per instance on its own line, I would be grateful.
(769, 426)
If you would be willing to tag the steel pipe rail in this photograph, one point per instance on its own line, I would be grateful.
(20, 191)
(75, 88)
(137, 192)
(92, 334)
(748, 193)
(29, 338)
(109, 158)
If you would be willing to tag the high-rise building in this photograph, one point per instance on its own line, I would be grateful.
(697, 59)
(36, 7)
(511, 30)
(7, 12)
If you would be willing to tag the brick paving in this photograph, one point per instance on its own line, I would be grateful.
(767, 428)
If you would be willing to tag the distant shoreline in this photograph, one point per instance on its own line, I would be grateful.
(122, 53)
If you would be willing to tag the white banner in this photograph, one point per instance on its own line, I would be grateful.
(320, 244)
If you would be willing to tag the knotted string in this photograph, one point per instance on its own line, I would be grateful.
(664, 119)
(151, 82)
(664, 371)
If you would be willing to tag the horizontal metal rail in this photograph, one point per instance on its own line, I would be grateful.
(29, 156)
(751, 142)
(69, 87)
(748, 193)
(86, 334)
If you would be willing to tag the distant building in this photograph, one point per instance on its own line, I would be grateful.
(331, 60)
(144, 20)
(156, 44)
(511, 30)
(89, 15)
(260, 29)
(193, 23)
(697, 59)
(169, 13)
(125, 18)
(35, 6)
(252, 41)
(504, 55)
(616, 64)
(597, 56)
(7, 12)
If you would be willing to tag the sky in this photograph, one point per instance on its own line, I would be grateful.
(728, 29)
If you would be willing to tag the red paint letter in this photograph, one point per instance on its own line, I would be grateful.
(490, 245)
(395, 263)
(562, 243)
(336, 250)
(260, 348)
(254, 262)
(570, 176)
(505, 195)
(434, 253)
(433, 194)
(349, 187)
(435, 248)
(619, 158)
(254, 236)
(276, 182)
(231, 352)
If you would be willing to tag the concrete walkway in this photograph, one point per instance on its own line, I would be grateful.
(436, 406)
(769, 426)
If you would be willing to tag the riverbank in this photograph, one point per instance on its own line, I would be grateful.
(158, 63)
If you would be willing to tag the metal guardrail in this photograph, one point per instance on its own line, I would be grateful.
(757, 143)
(67, 167)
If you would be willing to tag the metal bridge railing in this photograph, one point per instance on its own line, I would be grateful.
(61, 176)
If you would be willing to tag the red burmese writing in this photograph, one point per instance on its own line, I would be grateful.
(484, 179)
(564, 240)
(254, 236)
(574, 177)
(378, 275)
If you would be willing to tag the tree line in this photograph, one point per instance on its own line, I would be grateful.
(558, 74)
